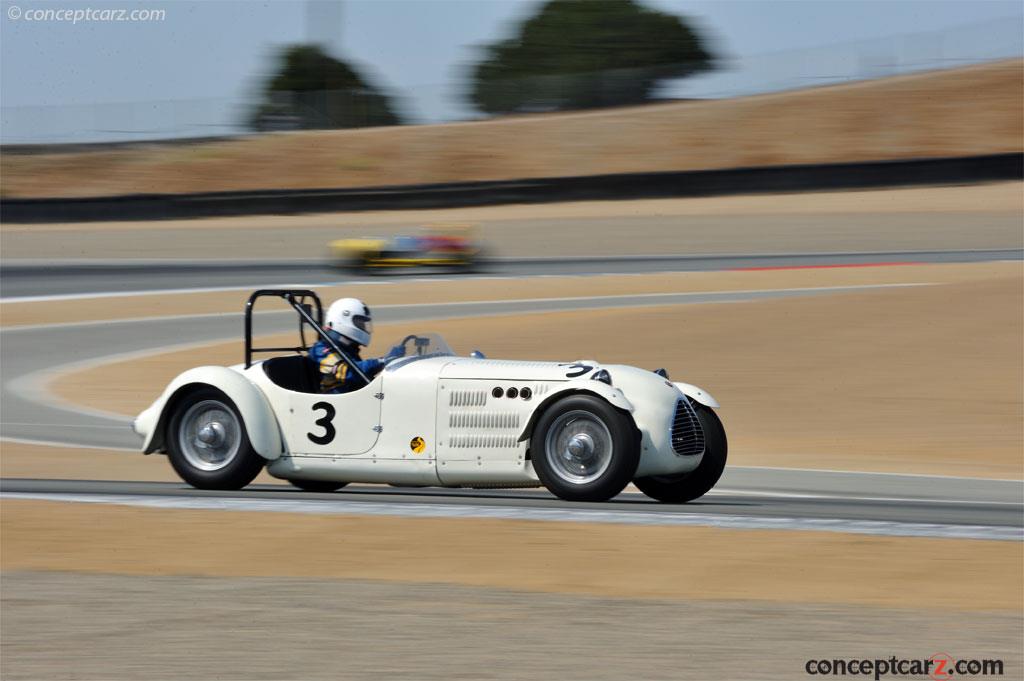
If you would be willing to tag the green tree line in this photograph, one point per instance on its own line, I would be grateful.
(571, 54)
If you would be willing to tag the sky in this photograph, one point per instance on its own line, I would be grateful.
(194, 71)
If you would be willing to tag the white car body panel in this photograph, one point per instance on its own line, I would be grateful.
(433, 420)
(251, 401)
(698, 394)
(355, 417)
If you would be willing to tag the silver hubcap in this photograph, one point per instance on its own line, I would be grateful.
(209, 435)
(578, 447)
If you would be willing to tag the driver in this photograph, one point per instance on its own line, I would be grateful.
(349, 324)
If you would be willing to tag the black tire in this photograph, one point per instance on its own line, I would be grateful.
(679, 489)
(351, 262)
(475, 263)
(185, 450)
(573, 470)
(318, 485)
(367, 266)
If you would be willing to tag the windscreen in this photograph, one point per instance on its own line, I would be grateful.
(425, 344)
(421, 345)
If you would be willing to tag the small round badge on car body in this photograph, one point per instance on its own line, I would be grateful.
(526, 393)
(512, 392)
(497, 392)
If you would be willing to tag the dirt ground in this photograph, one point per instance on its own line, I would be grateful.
(923, 379)
(635, 561)
(965, 111)
(117, 627)
(878, 220)
(267, 596)
(23, 460)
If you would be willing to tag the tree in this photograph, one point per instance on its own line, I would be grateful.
(312, 90)
(585, 54)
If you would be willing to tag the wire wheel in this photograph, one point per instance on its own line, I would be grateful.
(209, 435)
(207, 442)
(579, 447)
(584, 449)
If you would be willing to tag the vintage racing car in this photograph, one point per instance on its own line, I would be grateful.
(581, 429)
(443, 246)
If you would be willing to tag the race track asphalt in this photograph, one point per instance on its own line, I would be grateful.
(27, 413)
(746, 497)
(33, 278)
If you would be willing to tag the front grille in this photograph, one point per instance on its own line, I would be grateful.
(687, 435)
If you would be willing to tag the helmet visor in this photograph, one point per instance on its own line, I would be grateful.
(362, 323)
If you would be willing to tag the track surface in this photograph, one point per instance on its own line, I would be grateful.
(55, 278)
(27, 412)
(752, 497)
(754, 506)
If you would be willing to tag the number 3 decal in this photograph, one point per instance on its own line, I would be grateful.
(325, 423)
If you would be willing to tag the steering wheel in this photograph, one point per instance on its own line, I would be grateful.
(420, 342)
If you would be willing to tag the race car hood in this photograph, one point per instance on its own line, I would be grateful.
(466, 367)
(631, 381)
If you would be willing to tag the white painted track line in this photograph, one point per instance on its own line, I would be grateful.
(417, 510)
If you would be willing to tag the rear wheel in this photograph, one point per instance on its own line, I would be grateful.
(678, 489)
(584, 449)
(207, 443)
(318, 485)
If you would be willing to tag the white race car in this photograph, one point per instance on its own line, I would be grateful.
(581, 429)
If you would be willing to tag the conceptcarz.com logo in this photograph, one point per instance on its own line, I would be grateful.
(939, 667)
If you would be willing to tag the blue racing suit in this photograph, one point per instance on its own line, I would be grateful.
(336, 376)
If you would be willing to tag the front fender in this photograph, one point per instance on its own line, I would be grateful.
(606, 392)
(697, 394)
(257, 415)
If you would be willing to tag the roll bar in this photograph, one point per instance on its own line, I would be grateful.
(297, 298)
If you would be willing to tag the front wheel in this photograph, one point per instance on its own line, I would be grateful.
(679, 489)
(474, 262)
(584, 449)
(207, 443)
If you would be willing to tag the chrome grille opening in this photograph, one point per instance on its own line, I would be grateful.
(687, 435)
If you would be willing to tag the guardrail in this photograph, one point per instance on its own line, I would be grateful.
(788, 178)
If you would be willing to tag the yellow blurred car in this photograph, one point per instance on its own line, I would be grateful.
(447, 246)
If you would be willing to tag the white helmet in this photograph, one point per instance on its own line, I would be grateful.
(350, 317)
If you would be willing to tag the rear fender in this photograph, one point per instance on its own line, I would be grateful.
(257, 415)
(609, 394)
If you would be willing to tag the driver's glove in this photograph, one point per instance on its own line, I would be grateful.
(395, 352)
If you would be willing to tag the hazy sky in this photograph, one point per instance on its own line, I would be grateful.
(416, 48)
